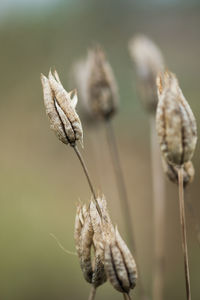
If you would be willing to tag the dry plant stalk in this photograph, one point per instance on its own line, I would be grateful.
(112, 258)
(148, 60)
(177, 133)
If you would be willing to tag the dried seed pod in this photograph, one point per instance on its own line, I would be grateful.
(97, 85)
(60, 108)
(149, 61)
(172, 172)
(175, 122)
(120, 265)
(83, 236)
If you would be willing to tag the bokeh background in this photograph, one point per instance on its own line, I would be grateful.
(41, 180)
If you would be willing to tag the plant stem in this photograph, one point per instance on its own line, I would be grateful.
(87, 176)
(183, 232)
(159, 213)
(114, 153)
(128, 296)
(126, 210)
(92, 293)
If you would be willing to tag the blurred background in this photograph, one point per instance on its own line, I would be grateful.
(41, 179)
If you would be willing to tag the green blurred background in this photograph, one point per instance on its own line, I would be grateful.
(41, 180)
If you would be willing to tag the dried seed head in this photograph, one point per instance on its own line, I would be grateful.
(120, 265)
(175, 122)
(149, 61)
(60, 108)
(97, 85)
(172, 172)
(112, 257)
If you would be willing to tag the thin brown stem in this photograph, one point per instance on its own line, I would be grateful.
(128, 296)
(114, 154)
(92, 293)
(183, 232)
(159, 214)
(124, 296)
(126, 210)
(87, 176)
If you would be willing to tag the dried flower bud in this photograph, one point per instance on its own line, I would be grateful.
(60, 108)
(97, 85)
(172, 172)
(175, 122)
(149, 61)
(120, 265)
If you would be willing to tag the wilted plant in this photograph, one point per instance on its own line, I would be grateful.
(148, 60)
(112, 258)
(177, 133)
(99, 93)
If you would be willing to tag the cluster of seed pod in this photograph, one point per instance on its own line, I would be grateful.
(149, 61)
(97, 86)
(113, 259)
(175, 122)
(60, 108)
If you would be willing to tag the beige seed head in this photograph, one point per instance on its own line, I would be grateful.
(172, 172)
(120, 265)
(149, 61)
(97, 85)
(175, 122)
(60, 108)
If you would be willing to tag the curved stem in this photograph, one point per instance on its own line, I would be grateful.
(114, 153)
(158, 213)
(87, 176)
(183, 232)
(92, 293)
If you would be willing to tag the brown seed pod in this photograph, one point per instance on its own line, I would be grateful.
(120, 265)
(60, 108)
(149, 61)
(97, 86)
(175, 122)
(172, 172)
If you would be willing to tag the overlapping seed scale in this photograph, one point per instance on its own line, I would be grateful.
(69, 115)
(55, 122)
(86, 240)
(99, 274)
(120, 268)
(128, 260)
(110, 269)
